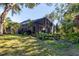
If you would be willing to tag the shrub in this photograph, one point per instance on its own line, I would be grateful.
(69, 37)
(46, 36)
(72, 37)
(76, 46)
(42, 36)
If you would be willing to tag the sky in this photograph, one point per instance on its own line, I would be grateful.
(37, 12)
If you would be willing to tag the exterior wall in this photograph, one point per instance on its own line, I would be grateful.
(44, 25)
(38, 26)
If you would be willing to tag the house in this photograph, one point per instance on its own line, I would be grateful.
(35, 26)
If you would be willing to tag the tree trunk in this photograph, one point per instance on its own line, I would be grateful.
(1, 29)
(3, 15)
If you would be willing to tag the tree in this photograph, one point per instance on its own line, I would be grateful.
(15, 8)
(14, 27)
(72, 13)
(67, 26)
(6, 24)
(10, 26)
(58, 14)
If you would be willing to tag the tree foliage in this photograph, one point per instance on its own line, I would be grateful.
(10, 26)
(14, 8)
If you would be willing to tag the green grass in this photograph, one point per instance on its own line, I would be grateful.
(28, 45)
(22, 45)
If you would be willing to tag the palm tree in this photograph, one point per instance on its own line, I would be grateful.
(15, 8)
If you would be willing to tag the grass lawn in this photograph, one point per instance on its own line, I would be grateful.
(30, 46)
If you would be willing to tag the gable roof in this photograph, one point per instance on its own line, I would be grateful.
(37, 20)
